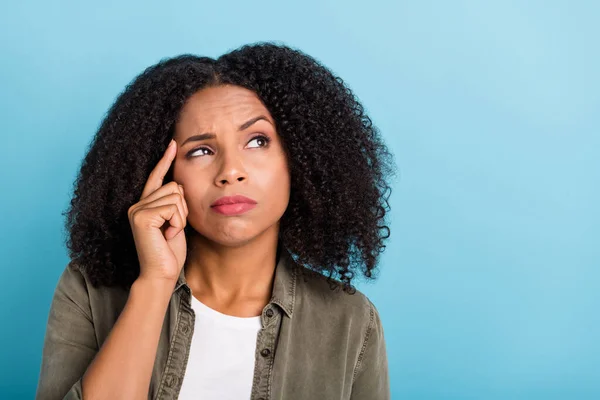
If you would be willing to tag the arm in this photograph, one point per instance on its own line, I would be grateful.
(371, 376)
(122, 368)
(70, 340)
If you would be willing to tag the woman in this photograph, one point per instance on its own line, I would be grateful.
(217, 222)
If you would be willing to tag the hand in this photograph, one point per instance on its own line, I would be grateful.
(157, 222)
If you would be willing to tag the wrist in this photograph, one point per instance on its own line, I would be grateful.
(155, 286)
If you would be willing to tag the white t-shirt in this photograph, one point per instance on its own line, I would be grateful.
(221, 361)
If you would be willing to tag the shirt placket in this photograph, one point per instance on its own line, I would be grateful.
(179, 349)
(265, 352)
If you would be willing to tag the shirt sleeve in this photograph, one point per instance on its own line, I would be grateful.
(371, 376)
(70, 342)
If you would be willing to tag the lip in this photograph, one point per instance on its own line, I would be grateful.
(233, 209)
(233, 205)
(227, 200)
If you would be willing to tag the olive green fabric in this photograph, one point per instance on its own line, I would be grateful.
(314, 343)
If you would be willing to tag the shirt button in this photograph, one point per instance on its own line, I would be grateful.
(171, 380)
(265, 352)
(185, 329)
(270, 312)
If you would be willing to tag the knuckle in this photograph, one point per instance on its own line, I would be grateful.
(135, 217)
(153, 174)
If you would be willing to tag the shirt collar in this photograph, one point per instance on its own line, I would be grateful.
(284, 282)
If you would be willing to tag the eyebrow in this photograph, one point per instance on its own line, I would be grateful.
(210, 135)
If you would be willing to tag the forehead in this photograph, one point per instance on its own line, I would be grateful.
(226, 103)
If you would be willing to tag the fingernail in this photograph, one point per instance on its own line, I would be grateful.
(172, 141)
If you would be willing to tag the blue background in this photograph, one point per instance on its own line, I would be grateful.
(489, 288)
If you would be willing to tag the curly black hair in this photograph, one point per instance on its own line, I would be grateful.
(339, 165)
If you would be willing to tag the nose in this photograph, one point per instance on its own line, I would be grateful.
(232, 169)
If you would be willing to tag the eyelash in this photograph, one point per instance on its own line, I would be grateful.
(265, 138)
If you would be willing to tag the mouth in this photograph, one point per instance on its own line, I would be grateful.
(233, 205)
(233, 209)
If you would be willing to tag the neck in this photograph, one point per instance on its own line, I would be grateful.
(233, 280)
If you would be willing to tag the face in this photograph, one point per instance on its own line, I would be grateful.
(225, 149)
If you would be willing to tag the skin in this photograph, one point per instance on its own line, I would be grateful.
(231, 262)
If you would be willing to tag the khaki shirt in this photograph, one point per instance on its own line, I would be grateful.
(314, 343)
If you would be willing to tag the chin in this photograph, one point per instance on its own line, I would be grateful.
(231, 233)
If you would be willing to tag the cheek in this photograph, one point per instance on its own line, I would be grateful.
(195, 189)
(278, 188)
(179, 173)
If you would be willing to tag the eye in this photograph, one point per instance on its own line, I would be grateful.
(202, 150)
(260, 138)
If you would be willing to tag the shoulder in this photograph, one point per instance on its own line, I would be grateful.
(75, 286)
(71, 298)
(314, 290)
(339, 318)
(72, 281)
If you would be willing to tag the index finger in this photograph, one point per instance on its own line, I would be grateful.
(155, 179)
